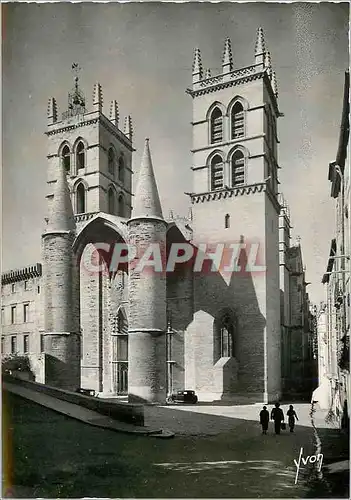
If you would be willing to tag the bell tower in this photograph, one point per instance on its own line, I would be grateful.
(93, 150)
(234, 200)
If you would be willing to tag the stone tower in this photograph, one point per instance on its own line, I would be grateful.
(147, 291)
(95, 153)
(61, 314)
(235, 346)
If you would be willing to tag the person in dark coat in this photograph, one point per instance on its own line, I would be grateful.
(278, 416)
(291, 413)
(264, 419)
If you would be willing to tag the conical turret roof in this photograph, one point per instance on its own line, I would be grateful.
(147, 201)
(61, 216)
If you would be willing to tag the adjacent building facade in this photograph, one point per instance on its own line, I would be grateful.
(121, 331)
(299, 359)
(334, 314)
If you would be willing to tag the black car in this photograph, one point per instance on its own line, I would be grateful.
(182, 397)
(86, 392)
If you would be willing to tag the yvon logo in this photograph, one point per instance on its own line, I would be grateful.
(310, 459)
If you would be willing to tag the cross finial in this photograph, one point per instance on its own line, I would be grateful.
(75, 70)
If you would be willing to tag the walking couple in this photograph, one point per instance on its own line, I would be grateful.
(277, 416)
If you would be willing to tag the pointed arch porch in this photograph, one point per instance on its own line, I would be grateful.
(103, 289)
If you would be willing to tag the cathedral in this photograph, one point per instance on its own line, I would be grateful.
(123, 332)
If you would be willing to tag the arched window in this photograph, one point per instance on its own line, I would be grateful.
(237, 119)
(122, 325)
(238, 168)
(121, 206)
(216, 172)
(80, 199)
(216, 126)
(80, 155)
(121, 169)
(120, 353)
(111, 201)
(227, 340)
(227, 221)
(66, 158)
(111, 161)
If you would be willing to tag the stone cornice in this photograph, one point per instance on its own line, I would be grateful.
(116, 183)
(101, 119)
(228, 192)
(254, 108)
(71, 126)
(234, 78)
(84, 217)
(232, 142)
(113, 130)
(264, 155)
(21, 274)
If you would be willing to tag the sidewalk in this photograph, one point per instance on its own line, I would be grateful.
(203, 419)
(83, 414)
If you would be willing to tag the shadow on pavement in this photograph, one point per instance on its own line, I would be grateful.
(54, 456)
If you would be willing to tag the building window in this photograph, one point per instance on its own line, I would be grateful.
(270, 129)
(121, 169)
(237, 119)
(26, 343)
(216, 173)
(80, 198)
(26, 286)
(25, 313)
(120, 354)
(80, 155)
(66, 159)
(38, 289)
(2, 316)
(111, 201)
(227, 221)
(121, 206)
(111, 161)
(216, 126)
(238, 168)
(13, 315)
(2, 344)
(227, 344)
(13, 288)
(13, 344)
(42, 348)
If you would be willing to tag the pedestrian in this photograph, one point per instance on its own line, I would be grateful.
(291, 413)
(278, 416)
(264, 419)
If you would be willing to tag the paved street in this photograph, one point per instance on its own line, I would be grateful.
(213, 456)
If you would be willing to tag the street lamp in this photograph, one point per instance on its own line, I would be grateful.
(169, 361)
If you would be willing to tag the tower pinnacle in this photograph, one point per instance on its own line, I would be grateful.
(52, 111)
(268, 64)
(114, 114)
(97, 97)
(147, 202)
(274, 84)
(260, 47)
(227, 60)
(197, 66)
(61, 216)
(128, 127)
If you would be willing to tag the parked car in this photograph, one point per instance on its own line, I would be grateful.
(182, 397)
(86, 392)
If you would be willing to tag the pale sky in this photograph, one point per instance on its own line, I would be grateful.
(142, 56)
